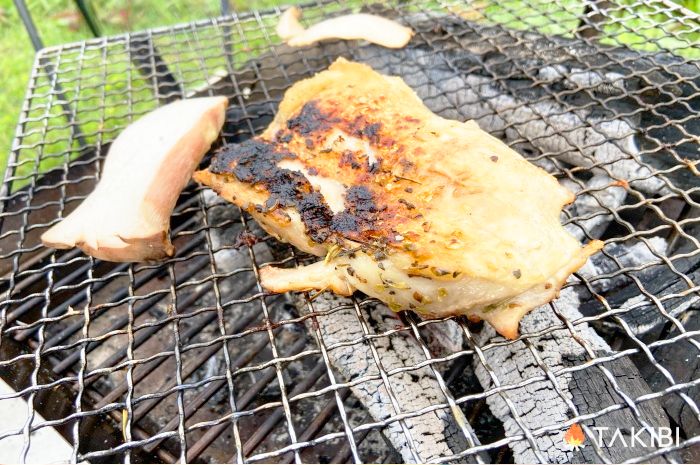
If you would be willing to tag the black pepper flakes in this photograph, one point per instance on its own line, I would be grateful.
(439, 271)
(494, 158)
(517, 274)
(408, 204)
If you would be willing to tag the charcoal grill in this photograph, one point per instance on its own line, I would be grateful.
(191, 360)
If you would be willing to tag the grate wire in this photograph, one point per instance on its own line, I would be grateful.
(190, 360)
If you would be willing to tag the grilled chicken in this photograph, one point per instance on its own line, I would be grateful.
(127, 217)
(421, 212)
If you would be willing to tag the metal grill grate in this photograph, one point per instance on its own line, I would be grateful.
(191, 360)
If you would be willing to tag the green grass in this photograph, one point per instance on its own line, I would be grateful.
(641, 27)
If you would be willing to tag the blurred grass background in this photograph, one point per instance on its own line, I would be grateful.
(58, 21)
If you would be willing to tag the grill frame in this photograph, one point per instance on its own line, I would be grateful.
(195, 206)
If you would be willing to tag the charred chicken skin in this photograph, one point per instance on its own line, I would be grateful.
(421, 212)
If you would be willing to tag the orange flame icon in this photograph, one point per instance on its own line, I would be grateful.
(574, 436)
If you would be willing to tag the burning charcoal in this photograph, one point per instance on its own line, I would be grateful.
(435, 434)
(592, 205)
(538, 404)
(544, 163)
(682, 360)
(616, 76)
(443, 338)
(644, 317)
(630, 256)
(604, 84)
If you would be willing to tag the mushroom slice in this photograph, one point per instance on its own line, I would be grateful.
(361, 26)
(127, 217)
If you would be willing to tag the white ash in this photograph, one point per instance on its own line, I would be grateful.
(630, 256)
(435, 434)
(211, 368)
(600, 197)
(538, 404)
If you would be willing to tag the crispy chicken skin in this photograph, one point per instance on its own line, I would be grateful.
(421, 212)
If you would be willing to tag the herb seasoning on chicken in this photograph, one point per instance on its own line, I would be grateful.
(421, 212)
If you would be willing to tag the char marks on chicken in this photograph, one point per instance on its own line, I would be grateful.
(421, 212)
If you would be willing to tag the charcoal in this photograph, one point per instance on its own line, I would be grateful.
(631, 298)
(538, 404)
(443, 338)
(613, 77)
(435, 434)
(592, 207)
(645, 317)
(638, 254)
(682, 361)
(642, 314)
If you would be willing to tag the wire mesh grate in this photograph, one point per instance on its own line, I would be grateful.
(191, 360)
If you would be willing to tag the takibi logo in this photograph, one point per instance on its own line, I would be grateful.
(632, 437)
(575, 437)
